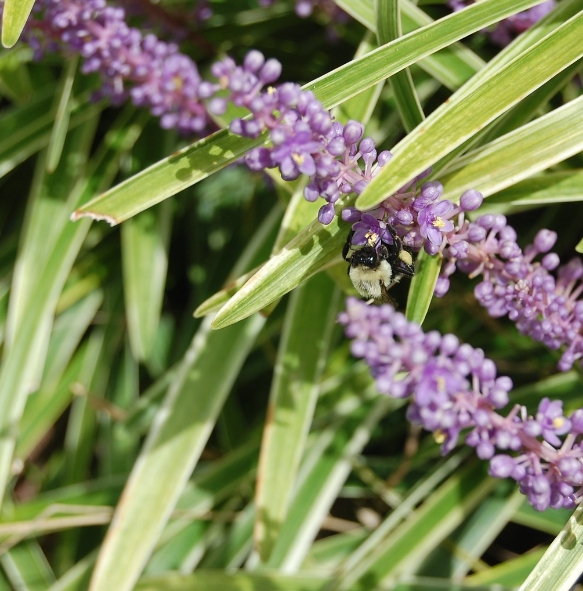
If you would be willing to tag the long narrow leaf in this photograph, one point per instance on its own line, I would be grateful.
(403, 551)
(520, 154)
(311, 250)
(196, 162)
(310, 318)
(14, 18)
(324, 471)
(14, 373)
(466, 113)
(145, 260)
(388, 17)
(560, 566)
(173, 447)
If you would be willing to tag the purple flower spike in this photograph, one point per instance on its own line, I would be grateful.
(152, 73)
(453, 390)
(542, 306)
(506, 30)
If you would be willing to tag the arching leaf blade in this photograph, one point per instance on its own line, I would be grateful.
(197, 161)
(466, 113)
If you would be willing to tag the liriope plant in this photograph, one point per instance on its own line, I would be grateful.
(172, 419)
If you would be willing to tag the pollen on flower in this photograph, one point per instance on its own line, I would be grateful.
(439, 223)
(372, 238)
(439, 436)
(298, 158)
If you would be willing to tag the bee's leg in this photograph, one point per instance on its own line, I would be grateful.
(347, 246)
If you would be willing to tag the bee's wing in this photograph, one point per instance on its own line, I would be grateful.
(386, 297)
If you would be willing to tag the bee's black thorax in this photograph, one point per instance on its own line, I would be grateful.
(373, 270)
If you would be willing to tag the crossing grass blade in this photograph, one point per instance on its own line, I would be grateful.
(310, 318)
(14, 16)
(467, 112)
(194, 163)
(173, 446)
(528, 150)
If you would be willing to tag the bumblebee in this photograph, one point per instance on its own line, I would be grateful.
(373, 270)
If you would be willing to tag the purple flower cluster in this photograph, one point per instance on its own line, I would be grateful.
(417, 214)
(506, 30)
(337, 158)
(541, 297)
(305, 138)
(453, 389)
(154, 74)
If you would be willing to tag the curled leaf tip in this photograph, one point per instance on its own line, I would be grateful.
(98, 217)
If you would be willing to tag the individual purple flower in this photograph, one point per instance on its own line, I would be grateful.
(293, 154)
(454, 390)
(433, 223)
(371, 231)
(549, 422)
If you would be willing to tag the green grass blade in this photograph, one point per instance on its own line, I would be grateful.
(530, 149)
(77, 577)
(310, 317)
(61, 370)
(422, 285)
(167, 177)
(560, 566)
(306, 254)
(14, 18)
(145, 241)
(465, 114)
(62, 115)
(211, 580)
(171, 450)
(552, 187)
(15, 373)
(361, 106)
(256, 251)
(21, 358)
(194, 163)
(27, 567)
(24, 130)
(404, 549)
(326, 466)
(45, 220)
(15, 79)
(510, 573)
(452, 66)
(388, 18)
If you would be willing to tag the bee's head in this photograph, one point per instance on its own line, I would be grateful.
(365, 257)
